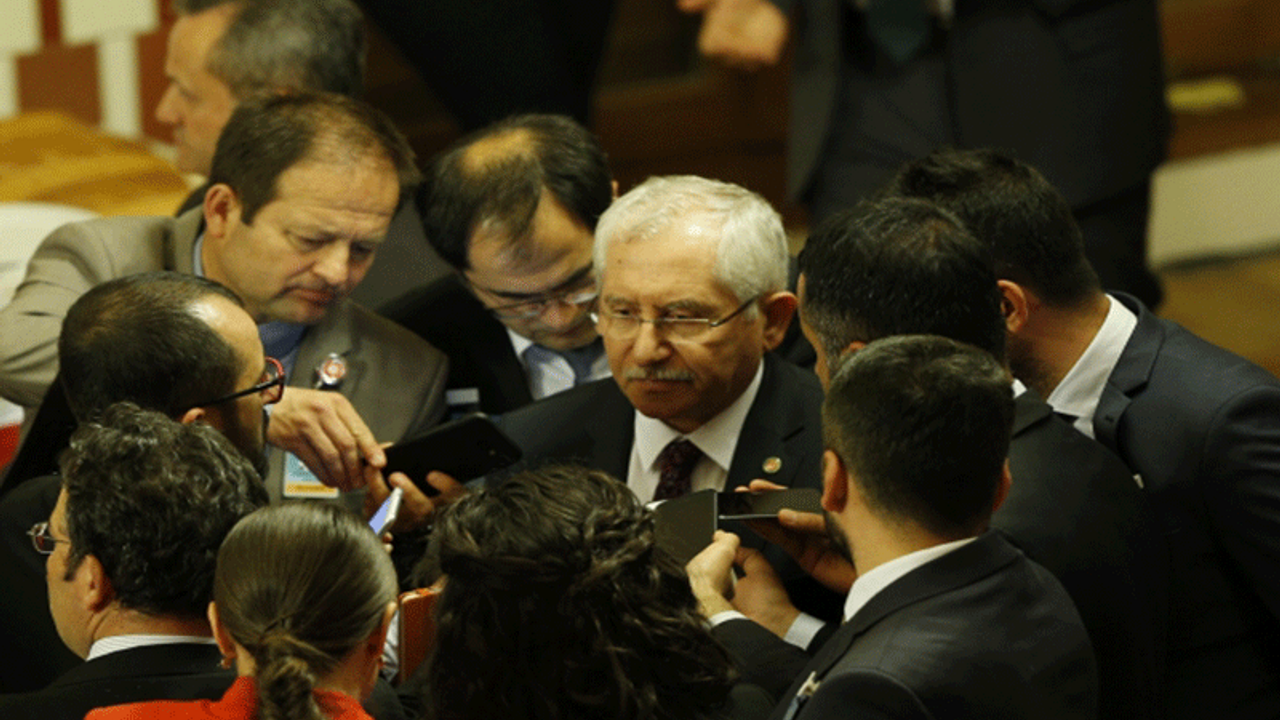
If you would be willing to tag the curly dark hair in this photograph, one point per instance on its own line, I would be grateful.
(557, 604)
(152, 499)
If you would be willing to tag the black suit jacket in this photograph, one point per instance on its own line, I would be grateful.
(593, 425)
(1072, 86)
(182, 671)
(981, 632)
(447, 315)
(1202, 428)
(1075, 509)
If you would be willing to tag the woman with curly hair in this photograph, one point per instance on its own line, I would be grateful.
(303, 595)
(558, 605)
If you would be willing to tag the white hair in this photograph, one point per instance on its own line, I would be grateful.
(751, 256)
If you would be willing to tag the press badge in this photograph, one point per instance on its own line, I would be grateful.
(299, 482)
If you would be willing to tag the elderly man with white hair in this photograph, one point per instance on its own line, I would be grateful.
(692, 276)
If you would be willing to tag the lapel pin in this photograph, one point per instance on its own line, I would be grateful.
(772, 465)
(330, 372)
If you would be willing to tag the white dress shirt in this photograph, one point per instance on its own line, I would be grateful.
(1081, 389)
(547, 371)
(117, 643)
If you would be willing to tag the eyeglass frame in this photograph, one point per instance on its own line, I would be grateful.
(39, 534)
(542, 301)
(707, 323)
(277, 382)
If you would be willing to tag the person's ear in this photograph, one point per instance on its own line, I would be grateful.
(1002, 488)
(835, 483)
(193, 415)
(778, 309)
(1014, 305)
(221, 210)
(95, 587)
(226, 645)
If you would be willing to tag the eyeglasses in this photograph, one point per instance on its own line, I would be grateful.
(575, 296)
(625, 324)
(43, 540)
(271, 386)
(530, 309)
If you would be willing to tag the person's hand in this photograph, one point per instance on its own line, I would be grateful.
(711, 574)
(416, 509)
(745, 34)
(759, 594)
(804, 537)
(327, 435)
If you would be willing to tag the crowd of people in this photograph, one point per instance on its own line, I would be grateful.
(1039, 499)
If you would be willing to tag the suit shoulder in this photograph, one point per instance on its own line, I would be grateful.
(390, 336)
(440, 304)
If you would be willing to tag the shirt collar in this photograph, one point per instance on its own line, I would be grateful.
(519, 342)
(870, 583)
(1078, 393)
(717, 438)
(117, 643)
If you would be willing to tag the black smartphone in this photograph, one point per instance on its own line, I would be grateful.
(466, 448)
(766, 503)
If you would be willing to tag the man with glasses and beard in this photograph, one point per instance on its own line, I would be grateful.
(175, 343)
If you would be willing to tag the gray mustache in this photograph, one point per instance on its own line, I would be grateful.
(658, 374)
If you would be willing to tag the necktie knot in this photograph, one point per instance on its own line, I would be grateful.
(675, 469)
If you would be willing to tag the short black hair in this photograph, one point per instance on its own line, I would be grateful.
(559, 604)
(897, 267)
(152, 500)
(268, 134)
(548, 152)
(274, 45)
(136, 338)
(1012, 208)
(922, 423)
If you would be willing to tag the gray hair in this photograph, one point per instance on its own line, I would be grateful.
(751, 257)
(287, 44)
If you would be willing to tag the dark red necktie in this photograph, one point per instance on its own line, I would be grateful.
(675, 469)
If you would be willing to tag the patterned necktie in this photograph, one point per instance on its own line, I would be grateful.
(675, 469)
(901, 28)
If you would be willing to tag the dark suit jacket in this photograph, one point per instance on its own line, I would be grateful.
(1202, 428)
(593, 424)
(981, 632)
(158, 672)
(1073, 87)
(1075, 509)
(447, 315)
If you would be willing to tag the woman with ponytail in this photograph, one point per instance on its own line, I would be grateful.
(303, 595)
(557, 604)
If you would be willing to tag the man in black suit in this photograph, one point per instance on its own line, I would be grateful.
(946, 618)
(692, 298)
(145, 503)
(109, 347)
(1072, 86)
(907, 266)
(1197, 424)
(513, 209)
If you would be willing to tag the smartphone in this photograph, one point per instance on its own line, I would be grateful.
(387, 513)
(466, 448)
(764, 505)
